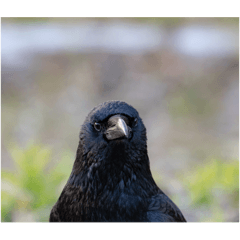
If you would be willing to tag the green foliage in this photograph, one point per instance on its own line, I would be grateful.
(215, 184)
(33, 187)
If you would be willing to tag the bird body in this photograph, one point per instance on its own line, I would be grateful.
(111, 179)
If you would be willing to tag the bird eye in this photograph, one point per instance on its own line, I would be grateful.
(97, 126)
(135, 121)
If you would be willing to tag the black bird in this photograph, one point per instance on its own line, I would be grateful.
(111, 179)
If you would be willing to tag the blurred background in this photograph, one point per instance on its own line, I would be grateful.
(181, 74)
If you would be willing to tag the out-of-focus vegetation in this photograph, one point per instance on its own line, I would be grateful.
(211, 190)
(214, 185)
(32, 189)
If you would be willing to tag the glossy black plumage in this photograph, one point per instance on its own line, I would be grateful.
(111, 180)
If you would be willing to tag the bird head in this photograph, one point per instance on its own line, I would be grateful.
(113, 127)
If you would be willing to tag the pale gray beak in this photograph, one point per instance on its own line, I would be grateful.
(118, 128)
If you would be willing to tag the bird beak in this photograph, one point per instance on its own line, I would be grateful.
(118, 128)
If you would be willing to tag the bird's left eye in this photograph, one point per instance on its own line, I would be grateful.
(97, 126)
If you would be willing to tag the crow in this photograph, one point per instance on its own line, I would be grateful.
(111, 179)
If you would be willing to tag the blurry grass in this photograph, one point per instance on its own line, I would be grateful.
(208, 193)
(29, 192)
(214, 186)
(214, 175)
(34, 187)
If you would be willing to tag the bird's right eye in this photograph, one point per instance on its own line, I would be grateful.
(97, 126)
(135, 121)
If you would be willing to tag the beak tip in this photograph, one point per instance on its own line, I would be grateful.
(123, 126)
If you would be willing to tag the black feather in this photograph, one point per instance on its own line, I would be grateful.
(111, 181)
